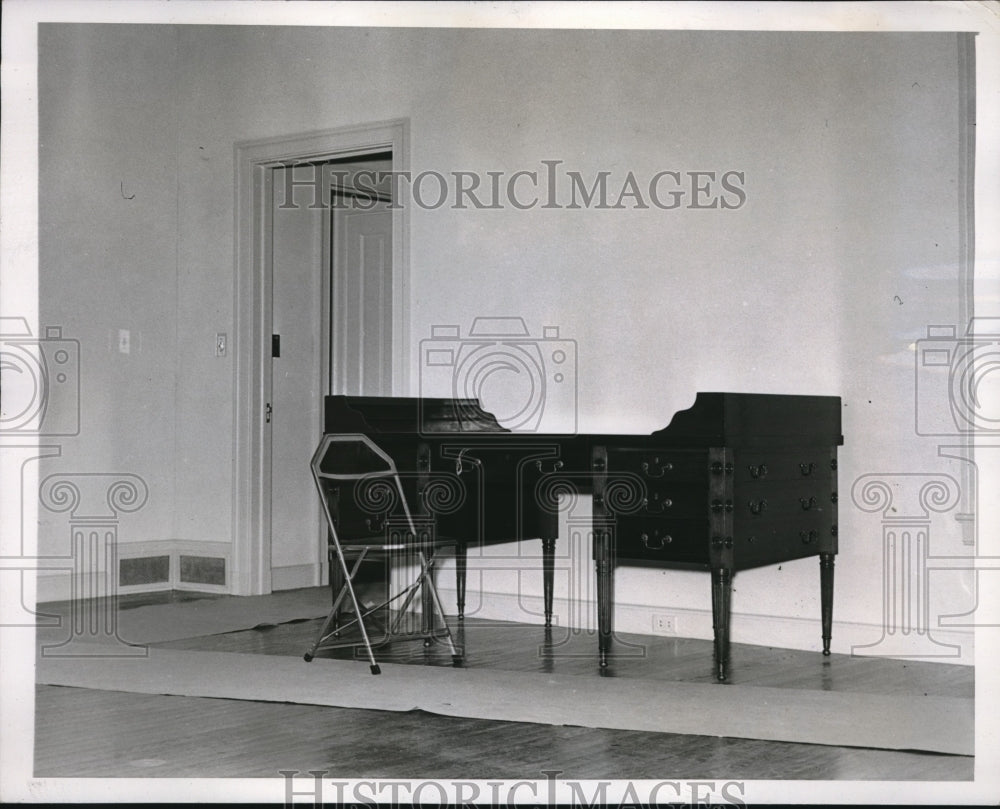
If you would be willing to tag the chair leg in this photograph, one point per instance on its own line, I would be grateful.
(411, 592)
(417, 586)
(334, 614)
(331, 616)
(456, 658)
(423, 584)
(348, 583)
(364, 631)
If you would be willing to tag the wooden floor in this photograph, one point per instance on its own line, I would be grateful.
(81, 732)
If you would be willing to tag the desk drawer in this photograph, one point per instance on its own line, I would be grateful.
(778, 539)
(648, 539)
(809, 463)
(758, 502)
(655, 499)
(660, 465)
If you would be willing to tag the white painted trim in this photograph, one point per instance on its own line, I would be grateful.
(782, 632)
(56, 583)
(251, 568)
(292, 577)
(166, 546)
(192, 587)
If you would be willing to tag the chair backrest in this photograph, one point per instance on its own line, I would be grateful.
(345, 457)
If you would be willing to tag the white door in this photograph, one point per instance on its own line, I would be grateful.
(296, 380)
(350, 241)
(361, 315)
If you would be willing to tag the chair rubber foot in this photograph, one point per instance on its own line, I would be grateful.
(826, 653)
(307, 657)
(376, 669)
(427, 642)
(456, 661)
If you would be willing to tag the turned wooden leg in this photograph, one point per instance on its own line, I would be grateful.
(826, 597)
(605, 594)
(548, 575)
(722, 581)
(461, 559)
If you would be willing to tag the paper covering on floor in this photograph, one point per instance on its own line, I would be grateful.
(159, 623)
(885, 721)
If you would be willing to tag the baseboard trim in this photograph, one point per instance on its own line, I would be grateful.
(292, 577)
(861, 639)
(941, 644)
(57, 584)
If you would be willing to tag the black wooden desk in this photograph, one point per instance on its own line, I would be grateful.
(734, 482)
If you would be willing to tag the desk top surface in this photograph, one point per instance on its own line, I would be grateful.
(715, 418)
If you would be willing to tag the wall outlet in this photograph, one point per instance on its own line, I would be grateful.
(124, 341)
(664, 624)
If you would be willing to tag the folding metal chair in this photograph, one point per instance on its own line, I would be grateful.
(346, 461)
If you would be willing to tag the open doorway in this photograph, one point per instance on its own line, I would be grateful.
(287, 279)
(332, 326)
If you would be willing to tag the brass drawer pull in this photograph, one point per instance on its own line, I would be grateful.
(660, 505)
(662, 468)
(656, 542)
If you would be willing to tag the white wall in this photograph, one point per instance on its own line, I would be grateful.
(846, 249)
(109, 260)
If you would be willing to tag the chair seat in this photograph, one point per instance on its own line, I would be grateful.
(378, 543)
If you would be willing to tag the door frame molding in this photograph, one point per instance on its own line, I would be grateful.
(254, 161)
